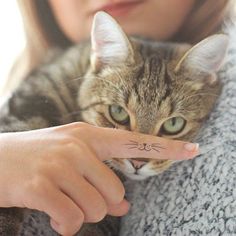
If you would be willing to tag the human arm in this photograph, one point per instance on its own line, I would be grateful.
(32, 162)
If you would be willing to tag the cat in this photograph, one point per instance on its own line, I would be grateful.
(158, 88)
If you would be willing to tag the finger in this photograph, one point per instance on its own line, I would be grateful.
(87, 197)
(119, 209)
(102, 178)
(66, 215)
(125, 144)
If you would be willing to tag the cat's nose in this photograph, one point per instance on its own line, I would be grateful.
(137, 164)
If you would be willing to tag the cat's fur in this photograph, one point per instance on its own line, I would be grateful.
(152, 81)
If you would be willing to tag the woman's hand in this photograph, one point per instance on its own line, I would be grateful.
(60, 171)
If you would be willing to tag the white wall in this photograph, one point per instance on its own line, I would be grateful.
(12, 39)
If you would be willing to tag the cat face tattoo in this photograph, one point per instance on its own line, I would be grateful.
(144, 146)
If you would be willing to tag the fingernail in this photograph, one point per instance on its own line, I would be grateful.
(191, 147)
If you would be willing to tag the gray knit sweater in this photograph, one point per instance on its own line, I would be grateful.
(195, 197)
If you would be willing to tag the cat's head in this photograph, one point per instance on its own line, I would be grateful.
(161, 89)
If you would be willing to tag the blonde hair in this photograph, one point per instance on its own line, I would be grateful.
(42, 31)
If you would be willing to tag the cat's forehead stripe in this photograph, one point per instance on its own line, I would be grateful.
(168, 84)
(154, 68)
(151, 79)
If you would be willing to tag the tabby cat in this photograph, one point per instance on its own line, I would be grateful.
(164, 89)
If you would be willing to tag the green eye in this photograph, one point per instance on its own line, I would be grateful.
(173, 126)
(118, 114)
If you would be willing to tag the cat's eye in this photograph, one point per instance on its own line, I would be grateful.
(119, 114)
(173, 126)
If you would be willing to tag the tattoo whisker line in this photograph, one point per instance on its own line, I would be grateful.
(132, 144)
(132, 148)
(156, 150)
(156, 144)
(158, 147)
(144, 146)
(133, 141)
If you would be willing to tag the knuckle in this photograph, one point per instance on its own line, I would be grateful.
(82, 128)
(57, 166)
(66, 230)
(61, 155)
(117, 194)
(79, 221)
(73, 225)
(37, 186)
(48, 166)
(70, 144)
(121, 194)
(99, 212)
(68, 140)
(73, 140)
(81, 124)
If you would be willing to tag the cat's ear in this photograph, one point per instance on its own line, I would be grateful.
(110, 45)
(206, 56)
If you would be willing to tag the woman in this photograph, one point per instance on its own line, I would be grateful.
(59, 23)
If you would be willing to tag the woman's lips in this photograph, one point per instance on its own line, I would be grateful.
(119, 8)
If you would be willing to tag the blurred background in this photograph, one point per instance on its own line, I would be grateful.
(12, 39)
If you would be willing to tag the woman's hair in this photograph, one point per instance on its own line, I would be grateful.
(205, 19)
(42, 31)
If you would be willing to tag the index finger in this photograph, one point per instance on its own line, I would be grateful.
(109, 143)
